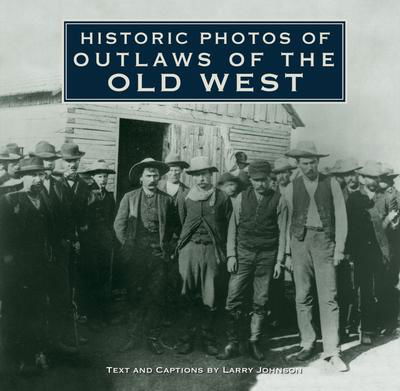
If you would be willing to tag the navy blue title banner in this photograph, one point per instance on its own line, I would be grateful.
(202, 61)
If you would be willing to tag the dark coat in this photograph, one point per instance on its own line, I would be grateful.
(126, 221)
(216, 220)
(76, 202)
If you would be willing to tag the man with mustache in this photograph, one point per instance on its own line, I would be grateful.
(205, 214)
(144, 226)
(346, 173)
(28, 248)
(318, 230)
(76, 193)
(255, 249)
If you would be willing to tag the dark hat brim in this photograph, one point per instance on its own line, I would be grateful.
(285, 168)
(98, 171)
(234, 179)
(297, 153)
(340, 172)
(137, 169)
(194, 172)
(72, 157)
(178, 163)
(46, 155)
(29, 170)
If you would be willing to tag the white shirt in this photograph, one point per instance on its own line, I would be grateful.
(172, 188)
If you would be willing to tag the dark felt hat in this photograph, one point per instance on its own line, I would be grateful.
(30, 165)
(45, 150)
(259, 169)
(70, 151)
(137, 169)
(241, 158)
(228, 177)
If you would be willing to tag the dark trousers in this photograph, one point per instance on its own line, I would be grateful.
(146, 283)
(255, 269)
(313, 266)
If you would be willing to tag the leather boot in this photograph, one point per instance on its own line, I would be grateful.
(231, 350)
(186, 344)
(207, 332)
(256, 351)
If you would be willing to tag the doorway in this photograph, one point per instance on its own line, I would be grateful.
(137, 140)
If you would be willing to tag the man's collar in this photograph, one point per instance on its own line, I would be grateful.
(149, 193)
(306, 178)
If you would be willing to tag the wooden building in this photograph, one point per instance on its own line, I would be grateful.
(123, 134)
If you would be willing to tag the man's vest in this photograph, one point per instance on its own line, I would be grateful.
(258, 223)
(301, 202)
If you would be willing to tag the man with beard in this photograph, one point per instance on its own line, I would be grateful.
(318, 230)
(29, 249)
(345, 172)
(76, 193)
(61, 319)
(369, 248)
(205, 214)
(144, 225)
(98, 244)
(255, 250)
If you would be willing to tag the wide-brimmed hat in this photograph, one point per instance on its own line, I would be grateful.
(45, 150)
(259, 169)
(371, 168)
(282, 164)
(201, 163)
(388, 171)
(137, 169)
(228, 177)
(98, 167)
(6, 156)
(343, 166)
(305, 149)
(30, 165)
(70, 151)
(174, 159)
(14, 148)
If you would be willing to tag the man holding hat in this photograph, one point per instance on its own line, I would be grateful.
(318, 230)
(255, 251)
(205, 214)
(97, 245)
(144, 225)
(28, 248)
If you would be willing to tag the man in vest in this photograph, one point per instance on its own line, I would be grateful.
(144, 225)
(205, 215)
(346, 173)
(255, 251)
(318, 230)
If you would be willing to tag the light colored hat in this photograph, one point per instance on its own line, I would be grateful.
(15, 149)
(149, 162)
(388, 171)
(305, 149)
(174, 159)
(372, 169)
(6, 156)
(201, 163)
(98, 167)
(282, 164)
(343, 166)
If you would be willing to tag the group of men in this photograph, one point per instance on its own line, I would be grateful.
(338, 238)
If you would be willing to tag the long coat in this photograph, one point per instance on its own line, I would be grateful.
(128, 215)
